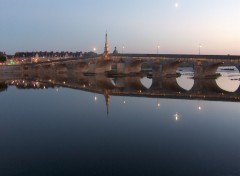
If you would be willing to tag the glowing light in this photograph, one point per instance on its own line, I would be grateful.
(199, 107)
(158, 46)
(176, 4)
(123, 47)
(176, 116)
(199, 49)
(158, 103)
(95, 98)
(124, 102)
(11, 62)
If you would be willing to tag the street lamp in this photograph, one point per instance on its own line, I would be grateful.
(94, 49)
(199, 49)
(123, 47)
(158, 46)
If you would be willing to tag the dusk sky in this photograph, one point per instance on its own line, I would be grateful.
(178, 26)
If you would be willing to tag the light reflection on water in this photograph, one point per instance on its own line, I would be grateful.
(62, 131)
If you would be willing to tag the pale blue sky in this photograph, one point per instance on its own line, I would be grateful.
(140, 25)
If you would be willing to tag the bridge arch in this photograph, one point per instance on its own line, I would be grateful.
(227, 83)
(206, 87)
(185, 82)
(132, 83)
(146, 82)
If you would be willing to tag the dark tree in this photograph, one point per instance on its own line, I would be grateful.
(2, 58)
(3, 86)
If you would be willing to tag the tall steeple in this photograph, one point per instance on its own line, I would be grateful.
(106, 48)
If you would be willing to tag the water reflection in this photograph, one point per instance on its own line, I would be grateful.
(177, 116)
(154, 126)
(158, 103)
(223, 88)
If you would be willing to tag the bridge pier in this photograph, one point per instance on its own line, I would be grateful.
(156, 69)
(103, 66)
(132, 83)
(133, 67)
(100, 66)
(130, 67)
(102, 82)
(120, 67)
(238, 67)
(80, 67)
(238, 91)
(120, 82)
(166, 85)
(204, 70)
(206, 87)
(156, 83)
(171, 84)
(169, 69)
(165, 69)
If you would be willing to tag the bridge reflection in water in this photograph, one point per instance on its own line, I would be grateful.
(135, 85)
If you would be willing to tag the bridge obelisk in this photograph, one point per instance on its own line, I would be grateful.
(104, 63)
(106, 49)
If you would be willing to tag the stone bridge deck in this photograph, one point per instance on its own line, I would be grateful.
(204, 66)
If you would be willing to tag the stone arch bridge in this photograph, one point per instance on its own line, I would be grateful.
(204, 66)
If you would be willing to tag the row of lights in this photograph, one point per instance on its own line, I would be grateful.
(199, 48)
(158, 47)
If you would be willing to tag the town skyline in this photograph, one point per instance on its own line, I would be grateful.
(167, 27)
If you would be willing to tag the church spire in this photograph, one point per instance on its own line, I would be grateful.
(106, 48)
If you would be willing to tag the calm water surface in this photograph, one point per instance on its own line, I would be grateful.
(62, 131)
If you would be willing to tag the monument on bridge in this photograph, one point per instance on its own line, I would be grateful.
(101, 64)
(106, 49)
